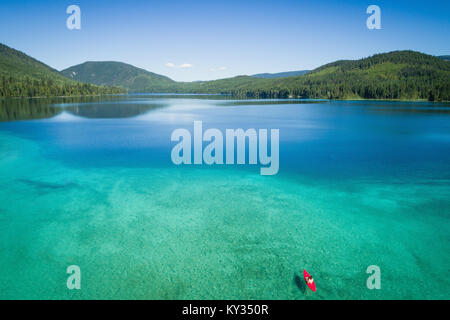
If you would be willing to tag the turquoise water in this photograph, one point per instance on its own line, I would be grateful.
(91, 184)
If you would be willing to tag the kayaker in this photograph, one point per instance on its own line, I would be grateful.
(309, 280)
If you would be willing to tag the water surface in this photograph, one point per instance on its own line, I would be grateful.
(90, 182)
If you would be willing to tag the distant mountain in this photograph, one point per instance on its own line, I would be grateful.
(398, 75)
(280, 74)
(139, 80)
(446, 58)
(23, 76)
(404, 75)
(118, 74)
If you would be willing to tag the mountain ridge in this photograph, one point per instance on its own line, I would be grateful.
(24, 76)
(115, 73)
(396, 75)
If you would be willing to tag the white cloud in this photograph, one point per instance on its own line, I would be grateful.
(182, 66)
(218, 69)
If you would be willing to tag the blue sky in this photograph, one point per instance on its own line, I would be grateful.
(218, 39)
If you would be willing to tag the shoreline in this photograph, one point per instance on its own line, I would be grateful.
(231, 96)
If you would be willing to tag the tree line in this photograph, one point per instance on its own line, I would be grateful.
(29, 87)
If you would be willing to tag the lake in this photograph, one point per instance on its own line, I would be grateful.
(90, 182)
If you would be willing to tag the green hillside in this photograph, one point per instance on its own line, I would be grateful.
(118, 74)
(224, 86)
(405, 75)
(23, 76)
(402, 75)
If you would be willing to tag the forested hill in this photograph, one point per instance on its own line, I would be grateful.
(403, 75)
(118, 74)
(394, 75)
(23, 76)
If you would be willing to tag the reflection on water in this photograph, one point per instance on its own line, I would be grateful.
(87, 107)
(127, 106)
(267, 102)
(111, 110)
(26, 109)
(398, 107)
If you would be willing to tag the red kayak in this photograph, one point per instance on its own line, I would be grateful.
(312, 286)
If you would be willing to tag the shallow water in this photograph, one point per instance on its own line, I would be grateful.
(91, 183)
